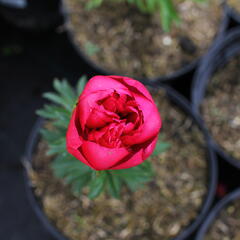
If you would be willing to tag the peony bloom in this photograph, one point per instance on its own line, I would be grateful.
(115, 124)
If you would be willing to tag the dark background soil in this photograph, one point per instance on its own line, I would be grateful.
(28, 63)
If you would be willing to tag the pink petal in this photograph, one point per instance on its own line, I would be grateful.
(99, 83)
(87, 103)
(138, 157)
(132, 161)
(74, 141)
(150, 148)
(139, 86)
(98, 118)
(151, 126)
(102, 158)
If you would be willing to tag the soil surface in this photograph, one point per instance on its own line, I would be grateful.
(221, 109)
(227, 224)
(235, 4)
(121, 39)
(160, 210)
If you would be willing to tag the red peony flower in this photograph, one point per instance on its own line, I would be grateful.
(115, 124)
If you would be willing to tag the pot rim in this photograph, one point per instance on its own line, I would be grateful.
(219, 55)
(215, 211)
(232, 13)
(168, 78)
(210, 158)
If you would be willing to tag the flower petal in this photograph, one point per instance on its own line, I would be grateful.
(102, 158)
(99, 118)
(87, 103)
(74, 141)
(141, 89)
(150, 148)
(151, 126)
(132, 161)
(103, 83)
(138, 157)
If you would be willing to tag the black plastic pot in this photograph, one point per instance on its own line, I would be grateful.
(34, 15)
(218, 56)
(180, 79)
(215, 211)
(212, 173)
(233, 15)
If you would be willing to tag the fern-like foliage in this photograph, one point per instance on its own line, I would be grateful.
(78, 175)
(166, 9)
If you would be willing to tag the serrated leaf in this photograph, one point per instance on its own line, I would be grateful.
(58, 100)
(66, 164)
(81, 84)
(65, 91)
(160, 148)
(61, 124)
(151, 6)
(57, 147)
(80, 183)
(54, 112)
(135, 177)
(52, 136)
(93, 4)
(114, 184)
(91, 48)
(74, 172)
(168, 14)
(97, 185)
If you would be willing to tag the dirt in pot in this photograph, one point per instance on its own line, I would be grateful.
(119, 38)
(160, 210)
(235, 4)
(227, 224)
(221, 109)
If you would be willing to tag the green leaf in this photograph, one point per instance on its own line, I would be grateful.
(91, 48)
(114, 184)
(54, 112)
(168, 14)
(81, 84)
(58, 100)
(200, 1)
(74, 172)
(97, 185)
(161, 147)
(93, 4)
(65, 91)
(81, 182)
(65, 164)
(141, 5)
(135, 177)
(151, 5)
(52, 136)
(59, 146)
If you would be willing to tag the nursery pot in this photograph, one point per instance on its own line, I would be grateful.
(233, 14)
(216, 58)
(31, 14)
(212, 172)
(182, 74)
(213, 215)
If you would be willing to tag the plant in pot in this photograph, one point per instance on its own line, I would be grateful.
(215, 95)
(140, 38)
(113, 129)
(223, 221)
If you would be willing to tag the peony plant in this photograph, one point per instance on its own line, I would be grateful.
(108, 127)
(166, 9)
